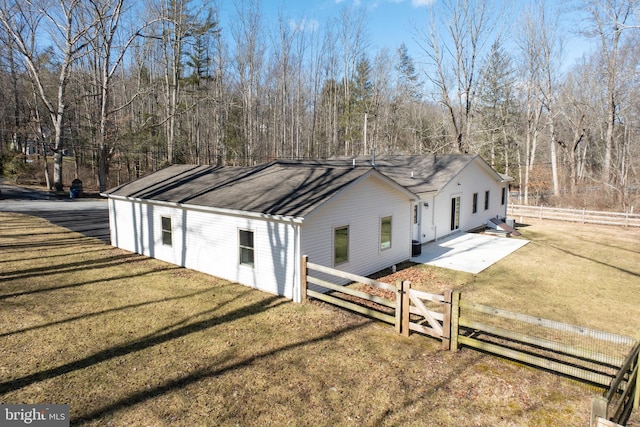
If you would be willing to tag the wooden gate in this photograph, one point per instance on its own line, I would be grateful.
(405, 308)
(418, 317)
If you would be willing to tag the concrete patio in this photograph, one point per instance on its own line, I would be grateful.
(469, 252)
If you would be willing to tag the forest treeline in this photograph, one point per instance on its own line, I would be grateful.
(124, 88)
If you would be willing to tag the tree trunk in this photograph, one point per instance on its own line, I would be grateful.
(554, 157)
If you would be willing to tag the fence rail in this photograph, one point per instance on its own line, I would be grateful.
(405, 308)
(582, 353)
(350, 305)
(623, 394)
(625, 219)
(609, 361)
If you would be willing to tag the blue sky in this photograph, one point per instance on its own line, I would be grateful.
(389, 23)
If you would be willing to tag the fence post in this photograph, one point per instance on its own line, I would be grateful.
(598, 409)
(399, 306)
(303, 278)
(455, 315)
(636, 397)
(446, 322)
(406, 288)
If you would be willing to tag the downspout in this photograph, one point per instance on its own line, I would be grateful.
(433, 218)
(297, 277)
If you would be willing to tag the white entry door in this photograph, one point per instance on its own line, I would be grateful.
(455, 213)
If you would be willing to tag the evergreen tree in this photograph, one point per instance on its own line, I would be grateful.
(496, 107)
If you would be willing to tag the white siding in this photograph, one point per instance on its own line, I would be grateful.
(208, 242)
(473, 179)
(427, 219)
(361, 207)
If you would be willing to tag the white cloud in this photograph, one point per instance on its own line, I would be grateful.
(422, 3)
(304, 24)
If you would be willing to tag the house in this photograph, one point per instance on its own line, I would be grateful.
(457, 192)
(252, 225)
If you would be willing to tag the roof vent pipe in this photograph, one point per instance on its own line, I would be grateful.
(373, 157)
(353, 164)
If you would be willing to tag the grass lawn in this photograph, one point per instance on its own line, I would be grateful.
(127, 340)
(585, 275)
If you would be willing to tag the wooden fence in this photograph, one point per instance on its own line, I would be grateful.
(402, 307)
(609, 361)
(625, 219)
(601, 422)
(582, 353)
(623, 394)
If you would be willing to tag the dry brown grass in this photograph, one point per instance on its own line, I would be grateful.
(127, 340)
(580, 274)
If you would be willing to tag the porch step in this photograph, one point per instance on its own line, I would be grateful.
(501, 225)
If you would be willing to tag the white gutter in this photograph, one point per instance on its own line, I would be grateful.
(222, 211)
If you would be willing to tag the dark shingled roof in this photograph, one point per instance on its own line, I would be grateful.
(278, 188)
(290, 188)
(430, 172)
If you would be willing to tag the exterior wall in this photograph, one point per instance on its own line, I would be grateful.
(475, 178)
(208, 242)
(361, 207)
(428, 231)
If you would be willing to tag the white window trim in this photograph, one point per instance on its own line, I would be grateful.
(170, 231)
(474, 203)
(333, 244)
(380, 248)
(240, 247)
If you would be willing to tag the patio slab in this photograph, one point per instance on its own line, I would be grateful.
(469, 252)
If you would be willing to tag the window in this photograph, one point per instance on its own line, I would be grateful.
(385, 233)
(246, 247)
(486, 200)
(340, 245)
(415, 214)
(166, 230)
(475, 202)
(504, 195)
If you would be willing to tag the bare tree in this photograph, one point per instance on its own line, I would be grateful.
(249, 61)
(106, 56)
(470, 27)
(574, 107)
(609, 19)
(26, 23)
(352, 38)
(550, 59)
(531, 40)
(181, 21)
